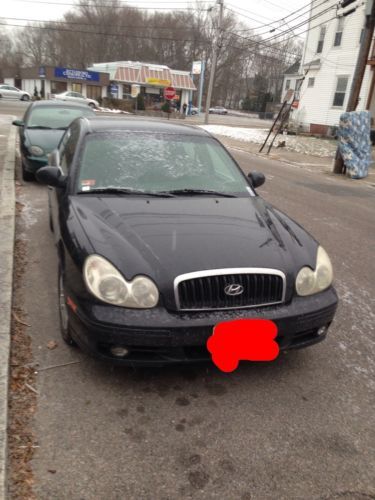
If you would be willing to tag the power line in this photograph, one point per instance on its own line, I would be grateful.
(290, 20)
(308, 21)
(270, 47)
(235, 9)
(275, 5)
(264, 43)
(285, 32)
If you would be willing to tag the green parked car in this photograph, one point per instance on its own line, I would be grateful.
(41, 129)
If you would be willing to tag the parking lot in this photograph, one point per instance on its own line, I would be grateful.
(300, 427)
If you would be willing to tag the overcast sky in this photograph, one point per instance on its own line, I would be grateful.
(261, 11)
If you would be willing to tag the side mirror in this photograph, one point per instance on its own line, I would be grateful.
(53, 158)
(257, 179)
(51, 176)
(18, 123)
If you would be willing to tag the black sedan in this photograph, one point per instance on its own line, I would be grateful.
(160, 237)
(41, 129)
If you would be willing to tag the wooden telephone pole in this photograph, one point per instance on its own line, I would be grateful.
(363, 56)
(214, 61)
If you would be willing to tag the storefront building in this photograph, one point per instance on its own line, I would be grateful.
(151, 78)
(47, 80)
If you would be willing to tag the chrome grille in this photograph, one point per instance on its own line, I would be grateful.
(206, 289)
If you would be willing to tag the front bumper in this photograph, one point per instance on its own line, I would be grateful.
(33, 163)
(158, 337)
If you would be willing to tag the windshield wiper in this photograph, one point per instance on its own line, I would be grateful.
(130, 191)
(41, 127)
(199, 192)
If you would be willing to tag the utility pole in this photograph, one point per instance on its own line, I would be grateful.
(214, 60)
(363, 56)
(201, 83)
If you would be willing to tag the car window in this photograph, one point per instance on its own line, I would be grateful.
(68, 147)
(158, 162)
(55, 117)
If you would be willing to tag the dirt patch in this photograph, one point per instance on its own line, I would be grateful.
(22, 391)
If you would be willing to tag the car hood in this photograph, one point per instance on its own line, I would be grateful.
(46, 139)
(166, 237)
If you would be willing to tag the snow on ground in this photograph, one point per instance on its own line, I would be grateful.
(300, 144)
(116, 111)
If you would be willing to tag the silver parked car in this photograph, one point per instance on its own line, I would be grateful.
(218, 110)
(10, 92)
(75, 97)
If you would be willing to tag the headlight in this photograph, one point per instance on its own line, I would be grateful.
(309, 282)
(36, 150)
(107, 284)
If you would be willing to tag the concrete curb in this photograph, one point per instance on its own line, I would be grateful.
(7, 232)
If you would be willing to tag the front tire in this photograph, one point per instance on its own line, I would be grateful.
(25, 98)
(27, 176)
(92, 105)
(63, 312)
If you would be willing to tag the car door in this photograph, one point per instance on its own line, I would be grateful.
(14, 92)
(69, 96)
(64, 158)
(79, 97)
(6, 91)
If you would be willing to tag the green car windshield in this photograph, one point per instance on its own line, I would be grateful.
(55, 117)
(157, 163)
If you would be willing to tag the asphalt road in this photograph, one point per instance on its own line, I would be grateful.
(8, 106)
(302, 427)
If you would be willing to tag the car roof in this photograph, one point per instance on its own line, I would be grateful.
(58, 104)
(137, 124)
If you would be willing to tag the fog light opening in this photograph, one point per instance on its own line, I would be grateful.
(322, 330)
(119, 352)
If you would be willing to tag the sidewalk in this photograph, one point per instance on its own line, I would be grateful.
(7, 224)
(305, 160)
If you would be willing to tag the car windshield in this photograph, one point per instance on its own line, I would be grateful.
(55, 117)
(158, 162)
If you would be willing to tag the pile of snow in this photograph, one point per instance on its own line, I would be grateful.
(300, 144)
(109, 110)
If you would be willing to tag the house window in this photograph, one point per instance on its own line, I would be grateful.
(311, 82)
(342, 84)
(361, 35)
(287, 85)
(93, 91)
(338, 35)
(322, 35)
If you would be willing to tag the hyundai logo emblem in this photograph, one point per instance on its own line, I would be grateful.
(233, 290)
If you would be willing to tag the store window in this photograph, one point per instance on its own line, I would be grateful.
(93, 91)
(58, 87)
(341, 87)
(77, 87)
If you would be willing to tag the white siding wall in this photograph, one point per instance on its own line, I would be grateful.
(293, 84)
(316, 103)
(30, 84)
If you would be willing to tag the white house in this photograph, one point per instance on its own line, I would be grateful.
(328, 65)
(291, 78)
